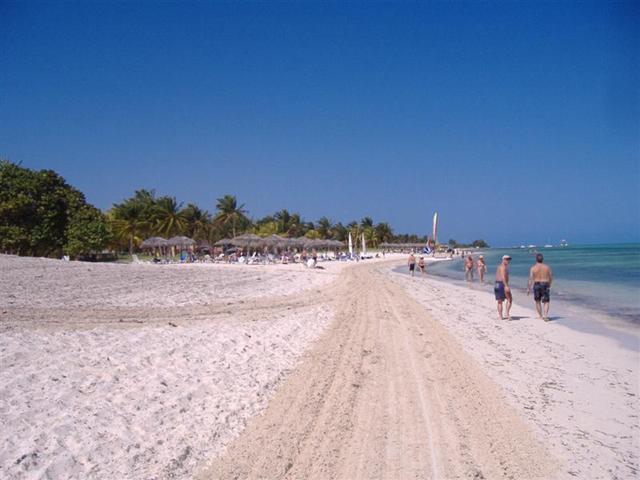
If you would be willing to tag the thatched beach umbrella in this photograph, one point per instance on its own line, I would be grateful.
(181, 241)
(247, 240)
(222, 242)
(300, 241)
(272, 240)
(154, 242)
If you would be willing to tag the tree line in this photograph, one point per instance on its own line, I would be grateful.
(144, 215)
(42, 215)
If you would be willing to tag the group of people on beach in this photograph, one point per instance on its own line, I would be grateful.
(480, 266)
(540, 278)
(420, 264)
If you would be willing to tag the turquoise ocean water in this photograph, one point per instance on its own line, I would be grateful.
(601, 278)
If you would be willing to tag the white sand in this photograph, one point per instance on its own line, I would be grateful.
(579, 391)
(45, 283)
(84, 396)
(96, 383)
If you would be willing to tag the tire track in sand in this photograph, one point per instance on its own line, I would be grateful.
(385, 393)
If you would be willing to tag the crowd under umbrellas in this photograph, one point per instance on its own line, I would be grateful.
(247, 248)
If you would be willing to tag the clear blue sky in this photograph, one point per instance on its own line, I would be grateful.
(518, 122)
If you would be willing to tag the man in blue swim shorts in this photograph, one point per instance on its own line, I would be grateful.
(501, 287)
(540, 277)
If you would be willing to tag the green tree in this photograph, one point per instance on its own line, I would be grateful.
(198, 222)
(480, 244)
(35, 207)
(324, 227)
(130, 223)
(366, 222)
(371, 237)
(283, 219)
(313, 234)
(267, 228)
(384, 232)
(87, 231)
(340, 232)
(229, 213)
(168, 219)
(355, 230)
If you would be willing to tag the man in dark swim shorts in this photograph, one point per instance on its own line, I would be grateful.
(540, 277)
(541, 292)
(412, 263)
(501, 287)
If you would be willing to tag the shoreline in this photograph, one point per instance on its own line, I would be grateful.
(578, 390)
(571, 313)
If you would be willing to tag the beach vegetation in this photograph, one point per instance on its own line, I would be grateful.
(38, 212)
(41, 215)
(170, 220)
(475, 244)
(230, 214)
(87, 231)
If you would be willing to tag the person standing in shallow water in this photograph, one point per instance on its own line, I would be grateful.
(540, 277)
(412, 263)
(501, 287)
(482, 268)
(468, 268)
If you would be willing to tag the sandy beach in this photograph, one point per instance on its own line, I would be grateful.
(352, 371)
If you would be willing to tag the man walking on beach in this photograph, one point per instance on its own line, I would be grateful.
(412, 263)
(540, 277)
(501, 288)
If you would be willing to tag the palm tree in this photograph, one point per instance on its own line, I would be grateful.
(371, 236)
(169, 220)
(198, 221)
(366, 222)
(229, 212)
(295, 226)
(354, 228)
(324, 227)
(384, 232)
(130, 222)
(283, 218)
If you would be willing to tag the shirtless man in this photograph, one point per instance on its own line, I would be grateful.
(412, 263)
(540, 277)
(468, 268)
(501, 288)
